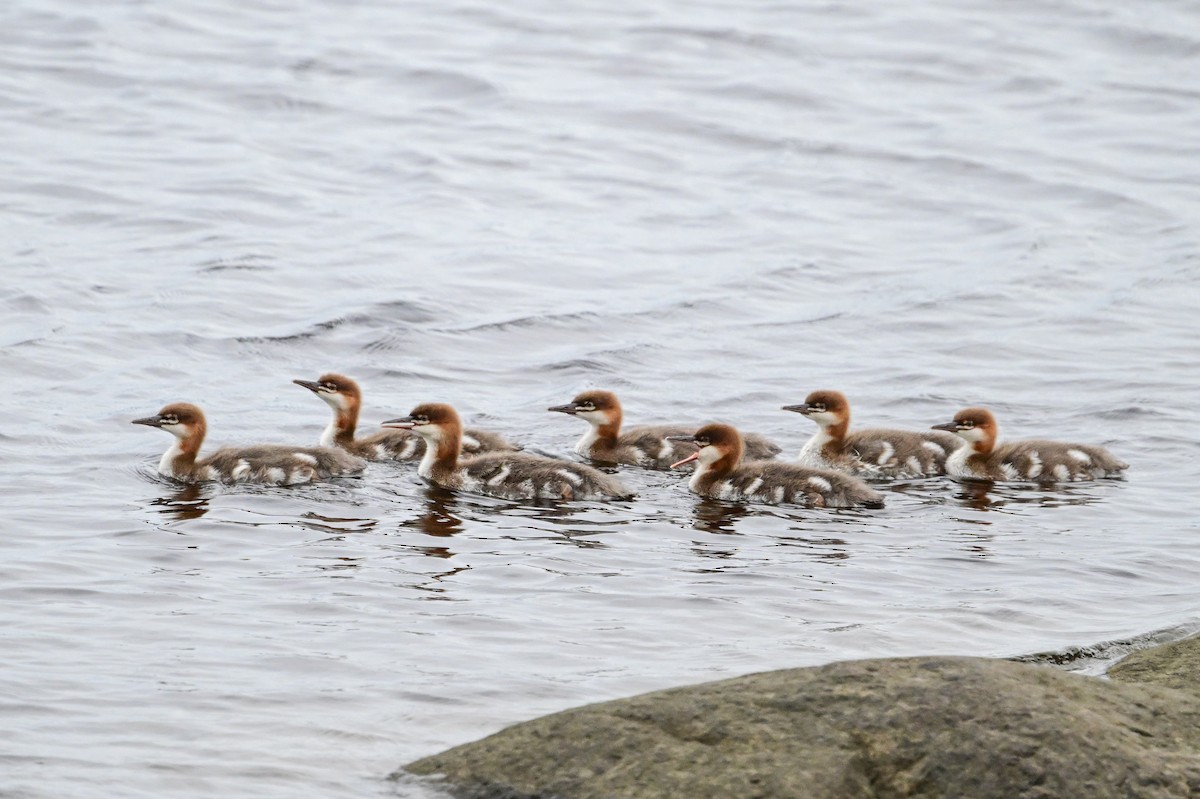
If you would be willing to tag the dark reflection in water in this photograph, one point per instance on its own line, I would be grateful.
(439, 517)
(714, 516)
(435, 587)
(821, 548)
(715, 553)
(576, 523)
(974, 541)
(337, 525)
(718, 518)
(187, 502)
(982, 495)
(341, 565)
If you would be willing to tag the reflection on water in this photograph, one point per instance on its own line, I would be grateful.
(337, 525)
(988, 496)
(714, 516)
(829, 549)
(434, 586)
(187, 502)
(341, 564)
(438, 517)
(975, 540)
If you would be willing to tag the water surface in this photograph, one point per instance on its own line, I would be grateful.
(707, 208)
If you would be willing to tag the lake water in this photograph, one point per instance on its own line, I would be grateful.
(708, 208)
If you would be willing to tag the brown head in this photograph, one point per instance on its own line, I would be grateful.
(438, 424)
(601, 409)
(720, 448)
(184, 421)
(344, 396)
(338, 390)
(829, 409)
(977, 426)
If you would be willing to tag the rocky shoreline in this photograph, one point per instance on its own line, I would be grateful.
(903, 727)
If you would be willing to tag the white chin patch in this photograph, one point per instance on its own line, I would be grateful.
(709, 455)
(177, 430)
(429, 432)
(334, 399)
(824, 418)
(594, 417)
(972, 434)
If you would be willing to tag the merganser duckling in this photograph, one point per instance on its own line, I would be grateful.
(651, 446)
(874, 453)
(345, 398)
(1042, 461)
(508, 475)
(721, 474)
(269, 463)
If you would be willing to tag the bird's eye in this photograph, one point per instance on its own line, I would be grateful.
(170, 420)
(819, 407)
(421, 420)
(587, 406)
(966, 425)
(329, 387)
(702, 442)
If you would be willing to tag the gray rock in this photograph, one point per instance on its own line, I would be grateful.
(1175, 665)
(913, 727)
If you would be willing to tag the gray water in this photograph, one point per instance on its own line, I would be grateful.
(709, 208)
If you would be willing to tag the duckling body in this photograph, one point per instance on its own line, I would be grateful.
(648, 446)
(1031, 460)
(508, 475)
(722, 474)
(873, 453)
(344, 397)
(270, 464)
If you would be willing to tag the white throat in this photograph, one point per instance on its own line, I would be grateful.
(595, 420)
(584, 445)
(167, 464)
(956, 461)
(708, 456)
(432, 437)
(333, 399)
(810, 454)
(329, 437)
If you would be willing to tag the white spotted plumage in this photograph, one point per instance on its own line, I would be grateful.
(820, 483)
(886, 455)
(1079, 455)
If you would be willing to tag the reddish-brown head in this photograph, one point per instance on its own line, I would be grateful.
(183, 420)
(976, 425)
(720, 447)
(596, 406)
(826, 408)
(431, 420)
(339, 391)
(180, 419)
(439, 425)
